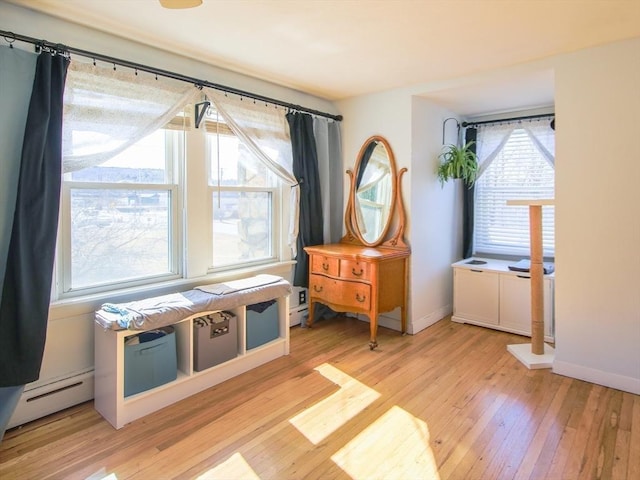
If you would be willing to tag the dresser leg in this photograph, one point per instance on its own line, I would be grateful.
(310, 317)
(373, 326)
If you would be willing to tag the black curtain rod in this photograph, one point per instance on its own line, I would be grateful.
(512, 119)
(10, 37)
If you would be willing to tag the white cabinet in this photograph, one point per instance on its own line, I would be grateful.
(515, 304)
(119, 410)
(489, 294)
(475, 295)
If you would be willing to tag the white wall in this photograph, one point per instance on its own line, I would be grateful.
(598, 215)
(436, 214)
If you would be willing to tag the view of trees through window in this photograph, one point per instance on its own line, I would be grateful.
(118, 235)
(120, 215)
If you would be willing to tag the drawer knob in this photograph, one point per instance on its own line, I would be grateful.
(325, 266)
(317, 289)
(359, 298)
(357, 274)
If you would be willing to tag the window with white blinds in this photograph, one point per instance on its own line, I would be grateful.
(518, 171)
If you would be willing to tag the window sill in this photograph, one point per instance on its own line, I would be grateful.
(86, 304)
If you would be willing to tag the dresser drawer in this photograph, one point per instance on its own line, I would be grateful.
(343, 293)
(325, 265)
(355, 270)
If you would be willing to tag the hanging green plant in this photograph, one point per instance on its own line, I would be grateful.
(458, 162)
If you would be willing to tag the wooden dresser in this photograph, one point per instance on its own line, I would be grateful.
(359, 279)
(367, 272)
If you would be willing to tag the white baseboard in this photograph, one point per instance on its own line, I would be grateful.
(298, 314)
(428, 320)
(389, 322)
(412, 327)
(612, 380)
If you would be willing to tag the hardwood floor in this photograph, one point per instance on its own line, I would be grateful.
(449, 402)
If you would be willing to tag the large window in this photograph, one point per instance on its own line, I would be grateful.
(520, 167)
(119, 221)
(180, 202)
(243, 194)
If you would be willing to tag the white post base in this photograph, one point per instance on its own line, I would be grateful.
(522, 352)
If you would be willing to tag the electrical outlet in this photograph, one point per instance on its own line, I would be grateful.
(302, 297)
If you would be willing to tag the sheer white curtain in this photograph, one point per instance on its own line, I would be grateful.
(493, 137)
(107, 109)
(490, 141)
(543, 137)
(264, 130)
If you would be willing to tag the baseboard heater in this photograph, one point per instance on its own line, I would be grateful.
(39, 401)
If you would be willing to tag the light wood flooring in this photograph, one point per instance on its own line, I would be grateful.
(447, 403)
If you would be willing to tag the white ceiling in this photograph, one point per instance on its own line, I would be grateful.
(341, 48)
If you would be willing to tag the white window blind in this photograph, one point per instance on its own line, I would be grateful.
(518, 171)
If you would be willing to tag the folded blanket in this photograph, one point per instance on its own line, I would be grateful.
(168, 309)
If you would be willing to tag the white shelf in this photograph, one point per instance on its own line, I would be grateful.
(119, 410)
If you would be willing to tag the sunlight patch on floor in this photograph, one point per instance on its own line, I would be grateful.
(325, 417)
(101, 475)
(396, 446)
(234, 467)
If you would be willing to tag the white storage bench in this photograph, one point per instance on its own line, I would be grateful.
(180, 311)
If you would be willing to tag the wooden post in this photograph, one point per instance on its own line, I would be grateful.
(537, 354)
(536, 269)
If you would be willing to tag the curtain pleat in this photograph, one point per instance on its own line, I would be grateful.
(305, 169)
(27, 284)
(17, 69)
(328, 146)
(468, 206)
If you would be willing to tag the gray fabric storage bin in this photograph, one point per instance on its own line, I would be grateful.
(150, 364)
(215, 339)
(262, 327)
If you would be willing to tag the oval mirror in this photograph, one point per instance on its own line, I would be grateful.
(373, 191)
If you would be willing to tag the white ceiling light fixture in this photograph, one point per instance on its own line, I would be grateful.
(180, 3)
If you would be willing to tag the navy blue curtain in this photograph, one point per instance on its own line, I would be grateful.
(26, 291)
(470, 135)
(305, 169)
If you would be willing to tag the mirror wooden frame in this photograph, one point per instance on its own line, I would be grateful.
(396, 218)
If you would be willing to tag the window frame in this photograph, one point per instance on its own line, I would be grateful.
(276, 229)
(173, 185)
(191, 230)
(211, 129)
